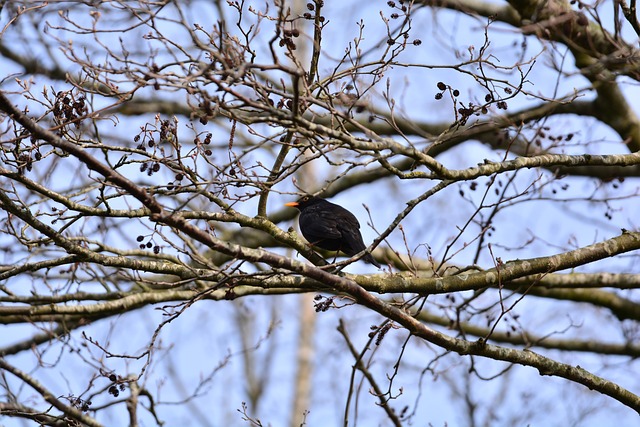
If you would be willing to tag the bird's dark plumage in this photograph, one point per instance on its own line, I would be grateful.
(331, 227)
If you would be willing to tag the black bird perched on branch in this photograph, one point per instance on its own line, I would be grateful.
(330, 227)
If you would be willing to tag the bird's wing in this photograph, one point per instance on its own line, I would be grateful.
(322, 225)
(347, 220)
(352, 239)
(349, 228)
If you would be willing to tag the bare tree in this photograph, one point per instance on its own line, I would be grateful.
(489, 150)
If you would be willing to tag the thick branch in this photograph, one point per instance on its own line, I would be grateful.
(528, 340)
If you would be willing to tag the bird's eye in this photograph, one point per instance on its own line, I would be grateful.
(305, 199)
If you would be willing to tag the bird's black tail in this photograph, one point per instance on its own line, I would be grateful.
(368, 258)
(353, 244)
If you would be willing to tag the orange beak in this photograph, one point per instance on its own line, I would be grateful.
(292, 204)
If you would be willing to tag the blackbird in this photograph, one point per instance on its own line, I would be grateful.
(331, 227)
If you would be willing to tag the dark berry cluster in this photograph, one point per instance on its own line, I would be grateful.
(118, 385)
(68, 109)
(168, 130)
(470, 109)
(287, 38)
(322, 303)
(443, 87)
(148, 245)
(25, 161)
(150, 167)
(312, 7)
(207, 111)
(81, 404)
(199, 143)
(400, 11)
(171, 185)
(207, 141)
